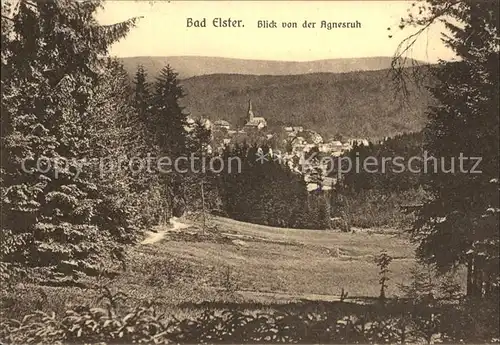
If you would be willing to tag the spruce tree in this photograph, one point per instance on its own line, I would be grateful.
(459, 224)
(170, 137)
(169, 118)
(141, 99)
(147, 184)
(199, 177)
(141, 90)
(52, 214)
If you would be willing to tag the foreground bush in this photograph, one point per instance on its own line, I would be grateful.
(394, 322)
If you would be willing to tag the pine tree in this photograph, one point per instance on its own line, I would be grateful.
(53, 215)
(142, 104)
(147, 184)
(141, 90)
(459, 224)
(421, 285)
(170, 137)
(199, 181)
(169, 118)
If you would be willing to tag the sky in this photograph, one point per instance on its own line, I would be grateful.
(163, 31)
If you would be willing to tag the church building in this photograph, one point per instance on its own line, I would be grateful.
(254, 122)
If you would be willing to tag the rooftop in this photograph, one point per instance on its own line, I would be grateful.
(221, 123)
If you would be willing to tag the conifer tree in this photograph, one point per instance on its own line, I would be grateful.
(53, 214)
(169, 118)
(199, 178)
(142, 104)
(459, 224)
(141, 90)
(170, 137)
(148, 183)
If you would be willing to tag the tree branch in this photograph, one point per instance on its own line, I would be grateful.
(398, 69)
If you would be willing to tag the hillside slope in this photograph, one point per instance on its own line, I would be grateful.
(356, 104)
(189, 66)
(270, 263)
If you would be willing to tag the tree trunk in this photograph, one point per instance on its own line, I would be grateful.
(478, 284)
(203, 207)
(477, 279)
(470, 277)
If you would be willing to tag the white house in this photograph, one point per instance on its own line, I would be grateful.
(359, 142)
(222, 124)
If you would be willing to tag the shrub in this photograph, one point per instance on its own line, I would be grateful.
(394, 322)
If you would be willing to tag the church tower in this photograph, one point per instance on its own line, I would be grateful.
(250, 111)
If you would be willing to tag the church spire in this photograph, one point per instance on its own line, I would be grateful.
(250, 111)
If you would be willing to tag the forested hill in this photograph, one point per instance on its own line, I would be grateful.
(190, 66)
(359, 104)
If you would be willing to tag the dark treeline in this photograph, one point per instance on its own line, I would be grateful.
(396, 167)
(383, 179)
(268, 192)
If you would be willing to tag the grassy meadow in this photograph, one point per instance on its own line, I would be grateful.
(239, 263)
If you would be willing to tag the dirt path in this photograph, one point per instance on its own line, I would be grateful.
(154, 237)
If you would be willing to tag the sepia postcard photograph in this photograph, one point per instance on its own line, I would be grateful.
(249, 172)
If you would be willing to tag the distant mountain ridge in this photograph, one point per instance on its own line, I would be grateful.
(355, 104)
(351, 97)
(190, 66)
